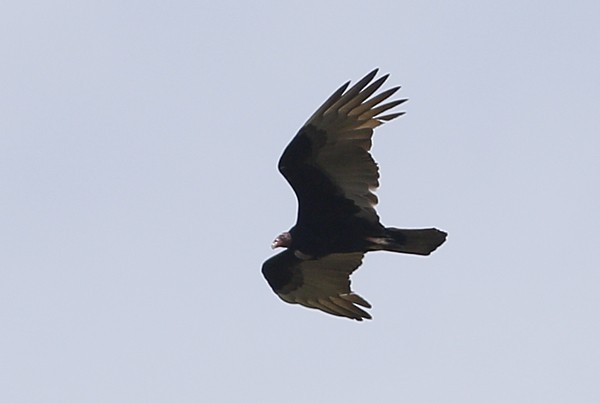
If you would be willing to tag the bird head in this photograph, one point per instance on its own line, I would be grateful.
(282, 241)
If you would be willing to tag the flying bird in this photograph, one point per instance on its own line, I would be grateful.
(330, 169)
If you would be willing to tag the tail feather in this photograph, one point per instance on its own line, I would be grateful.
(413, 241)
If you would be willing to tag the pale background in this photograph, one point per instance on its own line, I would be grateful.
(139, 196)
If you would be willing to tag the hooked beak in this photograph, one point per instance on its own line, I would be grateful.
(278, 242)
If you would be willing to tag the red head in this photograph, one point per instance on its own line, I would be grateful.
(282, 241)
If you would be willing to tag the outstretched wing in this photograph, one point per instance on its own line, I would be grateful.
(328, 163)
(320, 284)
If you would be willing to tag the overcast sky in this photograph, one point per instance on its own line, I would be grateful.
(139, 196)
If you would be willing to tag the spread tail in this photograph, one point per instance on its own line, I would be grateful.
(413, 241)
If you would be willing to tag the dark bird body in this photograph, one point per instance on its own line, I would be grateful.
(329, 166)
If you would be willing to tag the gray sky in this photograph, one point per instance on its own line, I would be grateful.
(138, 151)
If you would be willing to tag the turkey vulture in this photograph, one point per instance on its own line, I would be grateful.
(329, 166)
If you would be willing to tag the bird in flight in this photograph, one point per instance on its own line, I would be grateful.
(330, 169)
